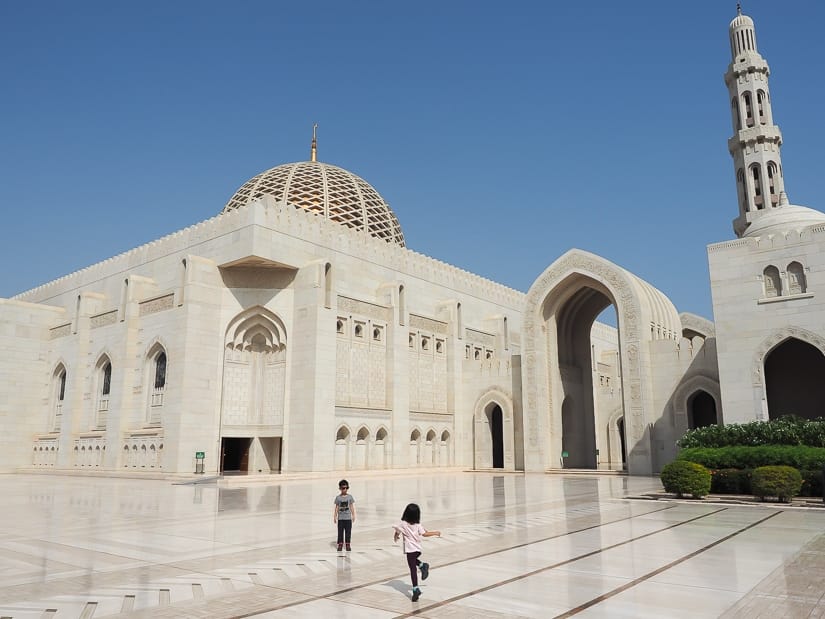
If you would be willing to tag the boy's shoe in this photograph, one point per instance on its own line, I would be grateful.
(348, 548)
(416, 594)
(340, 547)
(425, 571)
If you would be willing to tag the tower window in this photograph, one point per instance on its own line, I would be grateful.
(748, 109)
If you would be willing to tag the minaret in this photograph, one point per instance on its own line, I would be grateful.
(756, 141)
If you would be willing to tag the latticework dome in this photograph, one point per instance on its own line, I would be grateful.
(328, 191)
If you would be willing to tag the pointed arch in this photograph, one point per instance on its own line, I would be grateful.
(797, 378)
(155, 374)
(254, 370)
(58, 396)
(644, 314)
(102, 390)
(494, 430)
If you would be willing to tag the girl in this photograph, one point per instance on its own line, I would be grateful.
(411, 530)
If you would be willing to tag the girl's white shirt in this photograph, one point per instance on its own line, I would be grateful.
(410, 536)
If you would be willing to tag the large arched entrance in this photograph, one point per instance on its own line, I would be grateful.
(795, 380)
(254, 383)
(562, 414)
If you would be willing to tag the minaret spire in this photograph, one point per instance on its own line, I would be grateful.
(313, 152)
(756, 141)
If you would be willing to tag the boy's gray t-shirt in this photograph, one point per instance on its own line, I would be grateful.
(343, 503)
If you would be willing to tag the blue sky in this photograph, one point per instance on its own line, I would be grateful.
(500, 135)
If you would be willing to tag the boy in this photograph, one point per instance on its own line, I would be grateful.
(344, 514)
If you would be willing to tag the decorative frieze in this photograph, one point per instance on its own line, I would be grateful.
(158, 304)
(428, 324)
(60, 331)
(480, 337)
(102, 320)
(364, 308)
(89, 451)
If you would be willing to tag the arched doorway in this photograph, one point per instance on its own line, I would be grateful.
(701, 410)
(496, 435)
(794, 384)
(561, 308)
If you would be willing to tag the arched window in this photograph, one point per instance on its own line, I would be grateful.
(772, 183)
(757, 187)
(104, 390)
(59, 397)
(107, 379)
(773, 283)
(160, 371)
(741, 189)
(796, 279)
(157, 364)
(761, 105)
(748, 109)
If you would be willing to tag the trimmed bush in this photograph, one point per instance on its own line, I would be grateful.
(783, 482)
(802, 458)
(731, 481)
(682, 477)
(787, 430)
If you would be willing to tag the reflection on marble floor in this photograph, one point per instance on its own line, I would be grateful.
(513, 545)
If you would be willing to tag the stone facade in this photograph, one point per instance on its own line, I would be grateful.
(298, 333)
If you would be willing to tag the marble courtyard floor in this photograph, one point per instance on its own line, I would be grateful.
(513, 545)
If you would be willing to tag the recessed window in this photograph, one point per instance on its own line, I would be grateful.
(412, 340)
(477, 354)
(425, 343)
(339, 327)
(376, 334)
(439, 346)
(359, 330)
(489, 354)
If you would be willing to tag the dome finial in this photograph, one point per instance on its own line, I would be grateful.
(738, 8)
(313, 153)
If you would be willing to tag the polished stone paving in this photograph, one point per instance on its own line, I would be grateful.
(513, 545)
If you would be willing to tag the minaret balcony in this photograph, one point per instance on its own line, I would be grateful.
(752, 135)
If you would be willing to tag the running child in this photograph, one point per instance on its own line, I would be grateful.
(411, 531)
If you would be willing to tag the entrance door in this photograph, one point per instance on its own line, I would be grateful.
(497, 436)
(235, 454)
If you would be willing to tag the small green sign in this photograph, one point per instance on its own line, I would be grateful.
(199, 455)
(564, 454)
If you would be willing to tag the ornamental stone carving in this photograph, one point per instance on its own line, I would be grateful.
(158, 304)
(365, 309)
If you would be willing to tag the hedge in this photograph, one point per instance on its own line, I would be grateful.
(799, 457)
(788, 430)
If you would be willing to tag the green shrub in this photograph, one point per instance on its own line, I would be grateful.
(738, 457)
(731, 481)
(682, 477)
(812, 483)
(783, 482)
(787, 430)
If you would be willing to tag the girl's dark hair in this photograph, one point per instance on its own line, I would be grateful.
(412, 514)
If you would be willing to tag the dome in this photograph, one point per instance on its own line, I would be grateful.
(784, 218)
(326, 190)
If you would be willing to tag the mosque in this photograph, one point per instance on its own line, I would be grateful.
(296, 332)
